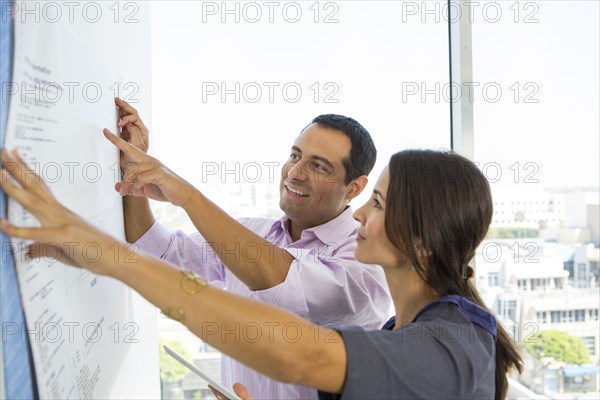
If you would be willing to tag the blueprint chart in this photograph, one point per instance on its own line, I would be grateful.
(16, 367)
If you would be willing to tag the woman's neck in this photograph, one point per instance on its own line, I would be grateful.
(409, 293)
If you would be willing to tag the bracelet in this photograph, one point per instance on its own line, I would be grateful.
(192, 283)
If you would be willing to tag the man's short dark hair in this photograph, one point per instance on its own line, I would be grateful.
(362, 151)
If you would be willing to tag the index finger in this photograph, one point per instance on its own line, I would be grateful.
(127, 148)
(125, 106)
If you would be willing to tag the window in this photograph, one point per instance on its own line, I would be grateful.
(581, 271)
(508, 309)
(243, 89)
(542, 317)
(493, 279)
(247, 88)
(394, 85)
(558, 283)
(590, 343)
(521, 57)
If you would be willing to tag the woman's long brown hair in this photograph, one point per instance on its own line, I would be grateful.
(442, 201)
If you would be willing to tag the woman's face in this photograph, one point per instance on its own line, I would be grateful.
(372, 244)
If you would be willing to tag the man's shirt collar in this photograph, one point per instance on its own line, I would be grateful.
(333, 231)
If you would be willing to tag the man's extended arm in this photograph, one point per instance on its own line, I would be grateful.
(138, 217)
(137, 212)
(253, 260)
(228, 238)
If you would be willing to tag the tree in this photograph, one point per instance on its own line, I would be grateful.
(171, 370)
(559, 345)
(512, 233)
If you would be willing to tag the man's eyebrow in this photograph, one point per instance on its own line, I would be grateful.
(324, 160)
(378, 193)
(319, 158)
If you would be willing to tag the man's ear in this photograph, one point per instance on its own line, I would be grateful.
(356, 186)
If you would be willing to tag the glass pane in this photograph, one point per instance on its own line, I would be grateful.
(235, 82)
(536, 90)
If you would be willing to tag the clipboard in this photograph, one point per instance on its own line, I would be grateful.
(193, 368)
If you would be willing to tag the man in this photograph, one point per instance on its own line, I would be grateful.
(303, 262)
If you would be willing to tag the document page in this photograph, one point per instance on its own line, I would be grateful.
(79, 325)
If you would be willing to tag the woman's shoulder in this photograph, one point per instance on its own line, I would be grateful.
(440, 354)
(444, 324)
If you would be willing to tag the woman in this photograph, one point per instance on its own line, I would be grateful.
(428, 213)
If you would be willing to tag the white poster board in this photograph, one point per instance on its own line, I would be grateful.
(90, 336)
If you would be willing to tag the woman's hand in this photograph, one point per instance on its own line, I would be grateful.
(63, 235)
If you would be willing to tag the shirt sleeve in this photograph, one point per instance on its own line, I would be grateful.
(332, 291)
(425, 361)
(189, 252)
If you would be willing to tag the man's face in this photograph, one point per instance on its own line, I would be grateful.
(312, 184)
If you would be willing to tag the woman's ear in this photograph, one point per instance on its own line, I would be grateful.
(421, 253)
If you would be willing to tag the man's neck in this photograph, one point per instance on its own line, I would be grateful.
(294, 230)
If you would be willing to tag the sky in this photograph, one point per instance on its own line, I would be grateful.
(385, 64)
